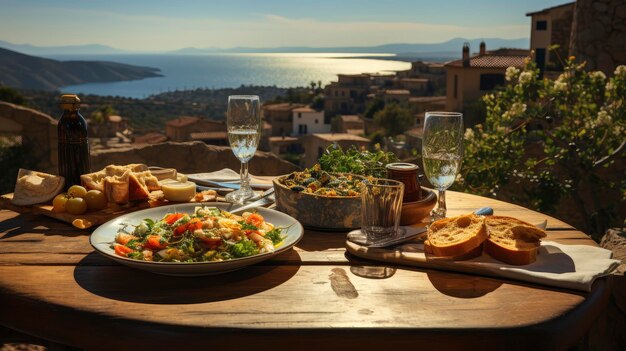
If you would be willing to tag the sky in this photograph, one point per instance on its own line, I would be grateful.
(157, 25)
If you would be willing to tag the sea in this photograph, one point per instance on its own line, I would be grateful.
(213, 71)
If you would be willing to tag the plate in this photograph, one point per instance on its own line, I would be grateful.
(102, 238)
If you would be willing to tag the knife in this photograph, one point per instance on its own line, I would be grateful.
(229, 185)
(265, 199)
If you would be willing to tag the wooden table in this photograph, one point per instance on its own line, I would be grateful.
(54, 286)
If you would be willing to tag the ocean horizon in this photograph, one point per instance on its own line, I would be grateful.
(215, 71)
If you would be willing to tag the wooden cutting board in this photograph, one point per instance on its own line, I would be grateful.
(83, 221)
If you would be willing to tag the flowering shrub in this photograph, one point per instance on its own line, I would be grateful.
(553, 145)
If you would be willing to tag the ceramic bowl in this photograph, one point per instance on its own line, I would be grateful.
(319, 212)
(416, 211)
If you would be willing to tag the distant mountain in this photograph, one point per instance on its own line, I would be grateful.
(91, 49)
(29, 72)
(450, 48)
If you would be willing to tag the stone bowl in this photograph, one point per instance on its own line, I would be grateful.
(337, 213)
(416, 211)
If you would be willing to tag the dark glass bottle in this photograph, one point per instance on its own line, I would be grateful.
(74, 157)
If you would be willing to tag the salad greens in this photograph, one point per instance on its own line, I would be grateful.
(361, 162)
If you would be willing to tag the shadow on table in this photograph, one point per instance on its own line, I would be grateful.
(29, 223)
(127, 284)
(322, 241)
(462, 286)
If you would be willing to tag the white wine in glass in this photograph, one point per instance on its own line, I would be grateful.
(442, 153)
(244, 131)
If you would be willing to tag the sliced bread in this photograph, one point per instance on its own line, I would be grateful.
(457, 237)
(512, 241)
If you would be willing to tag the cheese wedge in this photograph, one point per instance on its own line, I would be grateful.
(34, 187)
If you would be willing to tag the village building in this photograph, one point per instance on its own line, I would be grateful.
(190, 128)
(351, 124)
(280, 117)
(308, 121)
(470, 78)
(551, 26)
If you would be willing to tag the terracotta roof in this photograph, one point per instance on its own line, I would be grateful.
(550, 8)
(397, 92)
(502, 58)
(350, 118)
(358, 75)
(339, 137)
(304, 109)
(427, 98)
(150, 138)
(283, 106)
(182, 121)
(208, 136)
(285, 139)
(115, 119)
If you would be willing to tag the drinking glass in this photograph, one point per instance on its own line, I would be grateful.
(381, 206)
(442, 152)
(244, 131)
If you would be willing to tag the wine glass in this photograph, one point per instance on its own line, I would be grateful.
(244, 131)
(442, 152)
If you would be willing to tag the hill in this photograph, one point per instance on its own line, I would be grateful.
(451, 47)
(30, 72)
(89, 49)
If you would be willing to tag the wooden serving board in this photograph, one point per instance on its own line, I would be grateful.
(83, 221)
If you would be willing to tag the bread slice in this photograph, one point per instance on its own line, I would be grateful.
(456, 237)
(466, 256)
(512, 241)
(34, 187)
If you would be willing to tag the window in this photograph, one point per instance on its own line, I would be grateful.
(316, 121)
(541, 25)
(299, 114)
(489, 81)
(343, 93)
(456, 85)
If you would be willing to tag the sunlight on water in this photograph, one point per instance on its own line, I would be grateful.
(183, 72)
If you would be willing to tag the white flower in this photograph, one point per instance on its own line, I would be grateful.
(609, 86)
(603, 118)
(621, 69)
(564, 77)
(517, 109)
(560, 86)
(469, 134)
(511, 73)
(598, 75)
(525, 77)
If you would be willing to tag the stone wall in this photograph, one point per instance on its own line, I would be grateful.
(190, 157)
(599, 34)
(38, 132)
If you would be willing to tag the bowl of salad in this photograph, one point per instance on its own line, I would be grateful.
(192, 239)
(321, 200)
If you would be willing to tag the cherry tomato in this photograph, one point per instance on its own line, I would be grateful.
(76, 206)
(122, 250)
(76, 191)
(154, 242)
(59, 202)
(96, 200)
(255, 219)
(172, 218)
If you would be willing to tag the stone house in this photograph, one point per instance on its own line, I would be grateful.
(470, 78)
(189, 128)
(347, 95)
(351, 124)
(280, 117)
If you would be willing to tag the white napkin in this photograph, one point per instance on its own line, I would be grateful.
(564, 266)
(228, 175)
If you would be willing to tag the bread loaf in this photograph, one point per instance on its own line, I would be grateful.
(457, 237)
(512, 241)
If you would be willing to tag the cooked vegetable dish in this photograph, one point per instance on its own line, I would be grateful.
(316, 181)
(208, 234)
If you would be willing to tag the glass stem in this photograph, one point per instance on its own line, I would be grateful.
(441, 203)
(245, 180)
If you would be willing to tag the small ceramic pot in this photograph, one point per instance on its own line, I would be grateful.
(416, 211)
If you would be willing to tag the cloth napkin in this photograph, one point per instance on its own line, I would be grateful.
(565, 266)
(228, 175)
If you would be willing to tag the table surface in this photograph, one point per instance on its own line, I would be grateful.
(54, 286)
